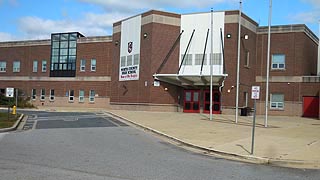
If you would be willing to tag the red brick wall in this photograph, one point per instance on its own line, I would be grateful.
(26, 55)
(300, 51)
(247, 74)
(154, 48)
(101, 51)
(301, 56)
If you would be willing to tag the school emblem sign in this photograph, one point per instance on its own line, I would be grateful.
(130, 46)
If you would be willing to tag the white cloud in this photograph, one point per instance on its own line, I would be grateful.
(6, 37)
(306, 17)
(90, 25)
(124, 6)
(315, 3)
(310, 17)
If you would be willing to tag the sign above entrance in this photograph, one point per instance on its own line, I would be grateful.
(255, 92)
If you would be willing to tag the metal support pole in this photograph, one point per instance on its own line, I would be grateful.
(253, 126)
(211, 65)
(238, 62)
(268, 65)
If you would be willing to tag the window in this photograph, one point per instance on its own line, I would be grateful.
(198, 59)
(247, 59)
(245, 95)
(35, 66)
(82, 65)
(51, 94)
(91, 95)
(33, 94)
(277, 101)
(93, 64)
(81, 95)
(44, 66)
(71, 95)
(16, 66)
(123, 61)
(216, 58)
(129, 60)
(136, 59)
(3, 66)
(63, 54)
(187, 59)
(278, 61)
(43, 94)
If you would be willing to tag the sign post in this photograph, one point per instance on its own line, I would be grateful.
(255, 94)
(9, 94)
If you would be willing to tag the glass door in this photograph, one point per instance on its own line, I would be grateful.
(191, 102)
(216, 102)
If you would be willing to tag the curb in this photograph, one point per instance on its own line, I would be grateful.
(14, 127)
(232, 156)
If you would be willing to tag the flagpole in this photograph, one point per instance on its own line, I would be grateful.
(238, 63)
(211, 65)
(268, 65)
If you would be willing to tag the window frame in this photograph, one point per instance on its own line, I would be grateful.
(44, 66)
(278, 64)
(71, 95)
(247, 59)
(43, 94)
(81, 96)
(92, 98)
(51, 97)
(33, 94)
(198, 59)
(276, 107)
(3, 68)
(16, 69)
(188, 59)
(35, 66)
(93, 65)
(82, 66)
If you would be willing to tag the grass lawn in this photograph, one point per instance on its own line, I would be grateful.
(4, 122)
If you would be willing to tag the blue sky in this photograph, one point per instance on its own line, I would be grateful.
(36, 19)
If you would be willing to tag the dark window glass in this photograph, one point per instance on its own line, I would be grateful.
(216, 97)
(195, 106)
(216, 107)
(73, 36)
(64, 37)
(207, 96)
(187, 106)
(63, 55)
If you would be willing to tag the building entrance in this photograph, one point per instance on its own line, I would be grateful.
(191, 102)
(310, 106)
(215, 102)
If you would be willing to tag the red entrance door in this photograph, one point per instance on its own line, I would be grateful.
(215, 102)
(311, 107)
(191, 101)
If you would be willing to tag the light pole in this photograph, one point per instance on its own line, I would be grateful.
(211, 65)
(238, 62)
(268, 64)
(319, 51)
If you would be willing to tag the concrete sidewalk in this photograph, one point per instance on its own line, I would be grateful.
(288, 141)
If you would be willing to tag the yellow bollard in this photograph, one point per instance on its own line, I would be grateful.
(14, 109)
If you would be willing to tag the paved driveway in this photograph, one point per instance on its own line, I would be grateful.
(95, 146)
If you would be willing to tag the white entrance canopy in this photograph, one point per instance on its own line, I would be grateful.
(190, 80)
